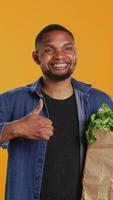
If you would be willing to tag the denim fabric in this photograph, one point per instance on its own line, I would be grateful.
(26, 157)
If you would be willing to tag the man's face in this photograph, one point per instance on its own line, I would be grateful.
(57, 55)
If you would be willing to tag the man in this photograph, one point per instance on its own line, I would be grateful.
(42, 124)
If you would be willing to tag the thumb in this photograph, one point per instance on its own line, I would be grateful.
(39, 107)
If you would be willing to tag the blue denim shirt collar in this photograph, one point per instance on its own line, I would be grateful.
(36, 87)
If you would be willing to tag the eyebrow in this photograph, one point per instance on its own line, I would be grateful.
(52, 45)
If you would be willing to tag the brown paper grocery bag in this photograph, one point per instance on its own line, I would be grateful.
(98, 170)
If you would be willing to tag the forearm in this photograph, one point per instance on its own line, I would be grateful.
(9, 132)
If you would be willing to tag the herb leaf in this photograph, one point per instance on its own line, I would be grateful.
(102, 120)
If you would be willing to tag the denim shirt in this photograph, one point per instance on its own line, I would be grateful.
(26, 157)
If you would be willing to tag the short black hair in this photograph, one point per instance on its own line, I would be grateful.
(49, 28)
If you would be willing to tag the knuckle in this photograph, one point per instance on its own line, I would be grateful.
(45, 137)
(50, 133)
(49, 121)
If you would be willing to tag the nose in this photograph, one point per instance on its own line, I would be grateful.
(59, 54)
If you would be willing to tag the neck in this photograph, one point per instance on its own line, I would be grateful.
(57, 89)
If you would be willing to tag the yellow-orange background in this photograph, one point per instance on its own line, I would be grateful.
(90, 21)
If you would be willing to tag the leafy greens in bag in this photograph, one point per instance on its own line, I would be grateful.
(102, 119)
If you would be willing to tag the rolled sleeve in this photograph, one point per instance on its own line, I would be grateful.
(4, 114)
(4, 144)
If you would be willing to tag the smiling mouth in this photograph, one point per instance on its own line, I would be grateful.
(60, 65)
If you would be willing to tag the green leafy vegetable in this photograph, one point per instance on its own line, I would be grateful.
(102, 120)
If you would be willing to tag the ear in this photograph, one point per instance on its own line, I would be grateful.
(35, 57)
(76, 56)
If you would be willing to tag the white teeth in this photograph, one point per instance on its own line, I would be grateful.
(60, 65)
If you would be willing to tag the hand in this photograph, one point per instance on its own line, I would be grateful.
(34, 126)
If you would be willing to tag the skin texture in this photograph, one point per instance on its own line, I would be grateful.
(57, 48)
(32, 126)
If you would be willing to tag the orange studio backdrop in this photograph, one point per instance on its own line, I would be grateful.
(90, 21)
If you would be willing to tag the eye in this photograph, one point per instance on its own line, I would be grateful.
(48, 50)
(68, 49)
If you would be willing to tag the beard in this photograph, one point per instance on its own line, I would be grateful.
(60, 77)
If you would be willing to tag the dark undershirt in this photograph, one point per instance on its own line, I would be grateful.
(61, 176)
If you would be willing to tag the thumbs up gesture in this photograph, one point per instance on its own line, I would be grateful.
(39, 107)
(34, 126)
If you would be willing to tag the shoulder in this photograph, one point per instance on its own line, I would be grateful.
(19, 90)
(95, 96)
(15, 94)
(98, 97)
(97, 93)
